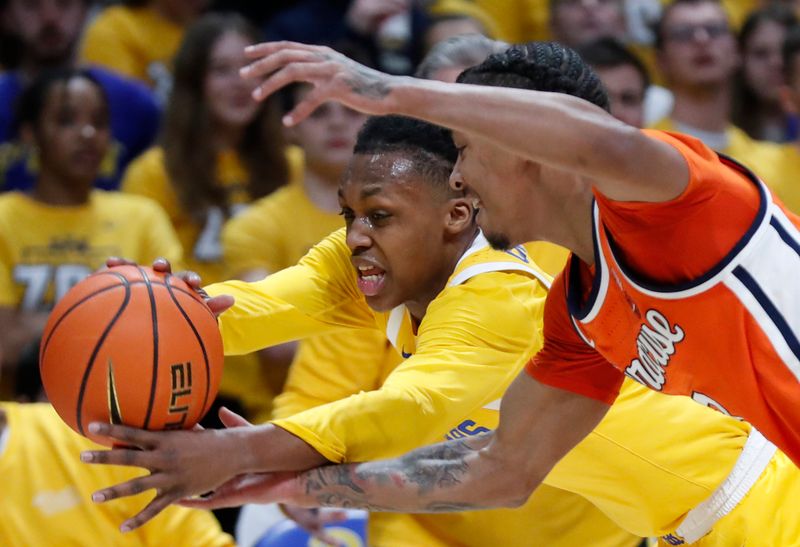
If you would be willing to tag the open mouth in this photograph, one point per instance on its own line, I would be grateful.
(370, 279)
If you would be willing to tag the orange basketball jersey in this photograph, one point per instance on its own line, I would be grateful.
(729, 338)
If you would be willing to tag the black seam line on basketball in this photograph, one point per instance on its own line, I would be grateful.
(154, 321)
(199, 341)
(95, 293)
(96, 350)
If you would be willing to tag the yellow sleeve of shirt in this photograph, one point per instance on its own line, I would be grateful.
(470, 344)
(316, 296)
(332, 367)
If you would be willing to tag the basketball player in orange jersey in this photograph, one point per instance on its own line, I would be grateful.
(680, 274)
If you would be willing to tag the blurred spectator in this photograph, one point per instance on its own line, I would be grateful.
(389, 32)
(219, 149)
(698, 57)
(456, 17)
(63, 230)
(442, 27)
(139, 38)
(48, 31)
(757, 108)
(448, 58)
(276, 231)
(47, 491)
(623, 75)
(575, 22)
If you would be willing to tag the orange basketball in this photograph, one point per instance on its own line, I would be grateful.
(131, 346)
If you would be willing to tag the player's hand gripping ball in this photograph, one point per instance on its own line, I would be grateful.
(131, 346)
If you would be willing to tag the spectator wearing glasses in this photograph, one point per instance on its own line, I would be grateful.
(698, 57)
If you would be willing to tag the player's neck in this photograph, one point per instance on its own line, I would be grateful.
(52, 190)
(567, 212)
(451, 254)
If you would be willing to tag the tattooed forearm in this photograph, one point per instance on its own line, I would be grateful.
(441, 467)
(368, 83)
(424, 480)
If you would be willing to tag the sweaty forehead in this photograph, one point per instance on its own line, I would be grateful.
(380, 173)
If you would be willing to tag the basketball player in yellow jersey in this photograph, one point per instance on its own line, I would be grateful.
(53, 237)
(412, 266)
(46, 491)
(657, 465)
(275, 232)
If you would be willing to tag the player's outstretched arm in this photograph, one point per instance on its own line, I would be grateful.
(578, 136)
(538, 425)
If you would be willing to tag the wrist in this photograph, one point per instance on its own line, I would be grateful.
(248, 442)
(410, 97)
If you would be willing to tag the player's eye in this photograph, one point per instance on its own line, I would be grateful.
(347, 213)
(377, 217)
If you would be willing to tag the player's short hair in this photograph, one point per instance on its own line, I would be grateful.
(658, 26)
(30, 104)
(609, 52)
(429, 146)
(464, 50)
(540, 66)
(791, 48)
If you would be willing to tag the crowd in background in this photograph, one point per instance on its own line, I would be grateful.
(125, 129)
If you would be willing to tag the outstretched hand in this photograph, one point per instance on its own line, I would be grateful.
(332, 76)
(181, 463)
(217, 304)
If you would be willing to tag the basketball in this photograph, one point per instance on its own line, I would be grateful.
(131, 346)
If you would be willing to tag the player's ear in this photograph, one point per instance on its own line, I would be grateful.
(460, 215)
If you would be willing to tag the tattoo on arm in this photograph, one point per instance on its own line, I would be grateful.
(432, 469)
(367, 83)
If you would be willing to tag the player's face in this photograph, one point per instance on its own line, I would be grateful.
(47, 28)
(577, 22)
(327, 136)
(698, 48)
(500, 183)
(762, 61)
(73, 131)
(228, 94)
(395, 230)
(625, 89)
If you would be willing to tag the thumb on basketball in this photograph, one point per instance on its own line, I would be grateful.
(219, 304)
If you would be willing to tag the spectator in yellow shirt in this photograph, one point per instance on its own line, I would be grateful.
(61, 231)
